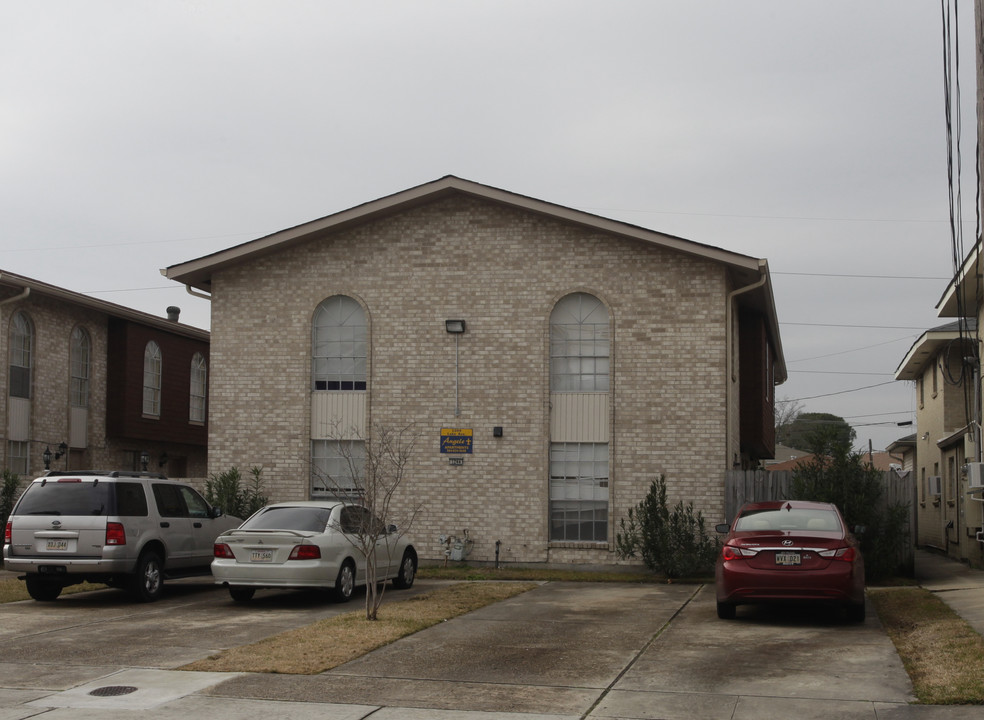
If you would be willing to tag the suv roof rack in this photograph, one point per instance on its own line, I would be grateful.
(105, 473)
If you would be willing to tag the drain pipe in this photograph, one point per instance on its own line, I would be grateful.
(23, 296)
(730, 376)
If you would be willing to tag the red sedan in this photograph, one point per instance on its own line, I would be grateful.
(789, 550)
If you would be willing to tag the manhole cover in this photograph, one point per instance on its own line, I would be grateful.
(113, 690)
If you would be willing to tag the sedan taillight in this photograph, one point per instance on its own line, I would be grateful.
(846, 554)
(221, 550)
(730, 552)
(115, 534)
(305, 552)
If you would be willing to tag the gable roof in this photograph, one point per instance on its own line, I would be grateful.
(931, 343)
(26, 287)
(744, 270)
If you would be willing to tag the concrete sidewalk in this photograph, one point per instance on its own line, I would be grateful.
(560, 652)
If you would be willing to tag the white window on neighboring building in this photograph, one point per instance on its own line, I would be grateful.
(152, 380)
(199, 386)
(579, 345)
(337, 467)
(81, 367)
(17, 457)
(339, 345)
(579, 492)
(21, 346)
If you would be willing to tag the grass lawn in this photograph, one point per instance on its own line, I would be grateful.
(943, 655)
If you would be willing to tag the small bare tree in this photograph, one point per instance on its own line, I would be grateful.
(372, 470)
(786, 411)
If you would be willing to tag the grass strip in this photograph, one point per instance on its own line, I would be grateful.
(943, 655)
(334, 641)
(13, 590)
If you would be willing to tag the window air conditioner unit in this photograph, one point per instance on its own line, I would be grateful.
(934, 485)
(975, 475)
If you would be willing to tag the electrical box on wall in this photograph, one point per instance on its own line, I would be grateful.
(975, 475)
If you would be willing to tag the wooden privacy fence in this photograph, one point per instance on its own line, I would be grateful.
(741, 486)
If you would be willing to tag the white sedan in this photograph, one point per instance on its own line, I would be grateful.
(315, 544)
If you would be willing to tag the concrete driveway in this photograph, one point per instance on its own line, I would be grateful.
(561, 651)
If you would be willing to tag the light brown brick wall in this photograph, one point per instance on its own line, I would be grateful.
(502, 271)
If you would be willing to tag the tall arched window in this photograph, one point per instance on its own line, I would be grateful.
(338, 353)
(81, 366)
(21, 347)
(152, 380)
(579, 344)
(199, 385)
(580, 333)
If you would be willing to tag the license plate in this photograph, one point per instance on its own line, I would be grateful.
(788, 558)
(56, 545)
(261, 556)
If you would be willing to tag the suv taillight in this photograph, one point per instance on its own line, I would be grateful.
(115, 534)
(7, 532)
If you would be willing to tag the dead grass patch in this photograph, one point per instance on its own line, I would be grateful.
(943, 655)
(334, 641)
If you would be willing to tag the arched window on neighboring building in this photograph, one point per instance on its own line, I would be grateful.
(580, 338)
(338, 352)
(152, 380)
(81, 367)
(21, 350)
(199, 387)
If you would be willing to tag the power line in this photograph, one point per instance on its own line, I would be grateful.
(843, 392)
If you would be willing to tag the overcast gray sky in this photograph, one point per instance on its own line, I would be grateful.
(136, 135)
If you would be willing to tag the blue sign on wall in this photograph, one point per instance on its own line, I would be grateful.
(456, 441)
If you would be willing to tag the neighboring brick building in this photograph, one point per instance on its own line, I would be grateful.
(594, 356)
(98, 384)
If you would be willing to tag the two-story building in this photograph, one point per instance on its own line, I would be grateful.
(94, 385)
(552, 363)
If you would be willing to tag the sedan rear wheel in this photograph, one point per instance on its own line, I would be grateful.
(408, 571)
(726, 611)
(241, 594)
(345, 582)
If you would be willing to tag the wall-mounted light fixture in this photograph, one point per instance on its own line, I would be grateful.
(144, 460)
(456, 328)
(47, 455)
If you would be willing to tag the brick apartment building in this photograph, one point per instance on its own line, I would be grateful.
(98, 385)
(590, 356)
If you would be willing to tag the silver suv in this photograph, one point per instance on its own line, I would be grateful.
(128, 530)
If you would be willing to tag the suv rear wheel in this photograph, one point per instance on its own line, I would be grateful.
(42, 590)
(148, 581)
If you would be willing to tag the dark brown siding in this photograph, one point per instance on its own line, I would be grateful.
(757, 363)
(124, 401)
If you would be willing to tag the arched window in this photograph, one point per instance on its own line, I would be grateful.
(579, 344)
(152, 380)
(338, 353)
(21, 347)
(199, 385)
(580, 340)
(81, 366)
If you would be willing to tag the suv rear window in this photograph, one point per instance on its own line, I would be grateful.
(83, 498)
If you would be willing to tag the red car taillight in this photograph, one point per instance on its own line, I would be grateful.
(7, 532)
(729, 552)
(305, 552)
(221, 550)
(846, 554)
(115, 534)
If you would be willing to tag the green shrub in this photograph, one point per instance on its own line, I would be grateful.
(228, 491)
(838, 475)
(672, 542)
(9, 491)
